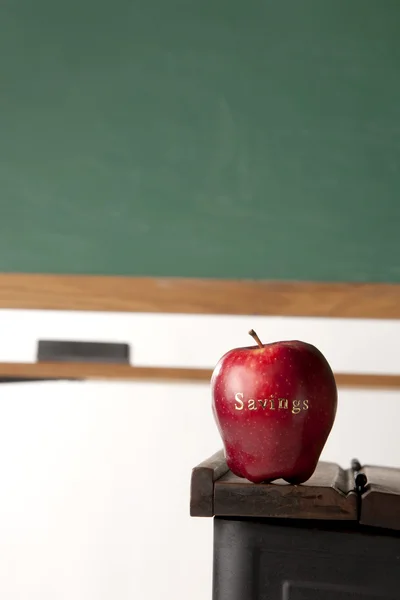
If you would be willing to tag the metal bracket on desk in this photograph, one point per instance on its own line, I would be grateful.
(360, 483)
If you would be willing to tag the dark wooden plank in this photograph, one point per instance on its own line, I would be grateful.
(328, 494)
(202, 484)
(380, 503)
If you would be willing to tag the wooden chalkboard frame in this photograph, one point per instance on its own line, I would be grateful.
(201, 296)
(191, 296)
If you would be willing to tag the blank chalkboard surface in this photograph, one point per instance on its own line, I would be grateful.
(221, 138)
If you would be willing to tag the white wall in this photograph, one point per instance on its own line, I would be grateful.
(95, 491)
(95, 477)
(351, 345)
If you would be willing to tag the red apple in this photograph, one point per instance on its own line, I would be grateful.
(274, 406)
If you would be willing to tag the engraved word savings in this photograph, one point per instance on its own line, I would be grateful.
(296, 406)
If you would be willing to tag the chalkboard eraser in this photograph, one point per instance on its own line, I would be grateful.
(95, 352)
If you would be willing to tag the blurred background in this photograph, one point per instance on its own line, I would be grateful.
(173, 174)
(96, 474)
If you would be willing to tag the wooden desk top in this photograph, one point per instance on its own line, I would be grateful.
(331, 494)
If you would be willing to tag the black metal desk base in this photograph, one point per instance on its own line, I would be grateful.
(270, 560)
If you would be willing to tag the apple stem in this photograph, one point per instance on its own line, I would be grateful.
(256, 338)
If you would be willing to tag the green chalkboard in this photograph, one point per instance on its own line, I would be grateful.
(212, 138)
